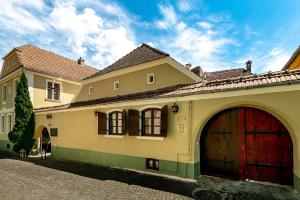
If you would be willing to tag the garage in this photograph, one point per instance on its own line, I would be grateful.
(247, 143)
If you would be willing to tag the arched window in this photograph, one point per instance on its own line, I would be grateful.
(115, 123)
(151, 122)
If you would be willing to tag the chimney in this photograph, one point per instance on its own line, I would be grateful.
(248, 65)
(198, 71)
(188, 66)
(80, 61)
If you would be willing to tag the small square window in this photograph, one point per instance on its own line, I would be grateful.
(91, 90)
(116, 85)
(152, 163)
(150, 78)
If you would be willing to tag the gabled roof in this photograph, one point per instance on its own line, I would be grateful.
(240, 83)
(142, 54)
(45, 62)
(294, 56)
(225, 74)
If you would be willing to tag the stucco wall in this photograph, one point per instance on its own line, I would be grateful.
(68, 91)
(165, 75)
(295, 64)
(78, 129)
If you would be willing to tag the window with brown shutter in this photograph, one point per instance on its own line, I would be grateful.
(164, 121)
(124, 122)
(155, 121)
(102, 126)
(133, 122)
(116, 123)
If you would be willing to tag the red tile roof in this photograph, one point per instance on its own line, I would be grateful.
(229, 73)
(42, 61)
(240, 83)
(142, 54)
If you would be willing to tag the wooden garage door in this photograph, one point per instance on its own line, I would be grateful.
(247, 143)
(218, 146)
(268, 148)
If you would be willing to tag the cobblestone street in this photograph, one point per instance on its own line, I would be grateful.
(33, 178)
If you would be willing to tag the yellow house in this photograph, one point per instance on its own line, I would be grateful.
(150, 113)
(52, 79)
(294, 61)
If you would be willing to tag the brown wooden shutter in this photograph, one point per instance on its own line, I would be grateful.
(124, 122)
(164, 121)
(133, 122)
(102, 125)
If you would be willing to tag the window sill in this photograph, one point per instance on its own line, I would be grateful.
(58, 101)
(150, 138)
(114, 136)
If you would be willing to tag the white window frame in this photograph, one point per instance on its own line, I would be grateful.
(10, 126)
(90, 90)
(107, 121)
(60, 91)
(116, 83)
(148, 78)
(15, 87)
(2, 125)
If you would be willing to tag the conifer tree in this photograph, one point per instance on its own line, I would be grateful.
(22, 132)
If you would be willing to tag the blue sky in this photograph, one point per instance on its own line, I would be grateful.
(215, 34)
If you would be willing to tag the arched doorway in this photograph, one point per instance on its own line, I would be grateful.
(45, 141)
(247, 143)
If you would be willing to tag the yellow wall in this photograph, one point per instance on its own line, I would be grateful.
(165, 75)
(295, 64)
(68, 91)
(78, 129)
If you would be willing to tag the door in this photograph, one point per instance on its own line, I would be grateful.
(268, 148)
(218, 146)
(247, 143)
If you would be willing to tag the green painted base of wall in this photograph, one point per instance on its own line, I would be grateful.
(4, 147)
(174, 168)
(297, 183)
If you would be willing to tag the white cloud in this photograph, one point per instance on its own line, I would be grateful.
(264, 61)
(19, 16)
(169, 17)
(86, 29)
(184, 5)
(205, 25)
(192, 44)
(276, 59)
(249, 32)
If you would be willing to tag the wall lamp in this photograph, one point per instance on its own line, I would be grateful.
(175, 108)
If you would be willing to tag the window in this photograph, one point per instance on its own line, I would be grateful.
(151, 121)
(4, 93)
(115, 123)
(148, 122)
(9, 123)
(150, 78)
(53, 91)
(2, 123)
(16, 82)
(116, 85)
(152, 163)
(91, 90)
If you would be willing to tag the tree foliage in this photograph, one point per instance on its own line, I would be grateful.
(23, 130)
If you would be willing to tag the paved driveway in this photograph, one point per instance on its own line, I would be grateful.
(33, 178)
